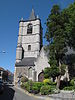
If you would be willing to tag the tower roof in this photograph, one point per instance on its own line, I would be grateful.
(32, 15)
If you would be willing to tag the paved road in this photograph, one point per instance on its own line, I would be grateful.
(12, 93)
(16, 94)
(20, 95)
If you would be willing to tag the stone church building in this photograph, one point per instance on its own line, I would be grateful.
(31, 58)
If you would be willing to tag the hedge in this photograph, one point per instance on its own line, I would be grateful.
(47, 89)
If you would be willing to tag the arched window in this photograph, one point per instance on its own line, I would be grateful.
(30, 72)
(29, 28)
(41, 77)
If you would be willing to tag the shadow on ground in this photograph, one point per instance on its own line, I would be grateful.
(8, 94)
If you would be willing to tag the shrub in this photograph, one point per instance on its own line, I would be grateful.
(30, 84)
(72, 82)
(47, 82)
(69, 88)
(54, 83)
(46, 89)
(26, 86)
(38, 84)
(24, 79)
(35, 89)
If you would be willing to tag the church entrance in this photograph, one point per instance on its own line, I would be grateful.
(41, 77)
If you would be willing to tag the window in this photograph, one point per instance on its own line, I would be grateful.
(29, 47)
(29, 29)
(30, 72)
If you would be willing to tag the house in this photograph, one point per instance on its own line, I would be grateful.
(1, 72)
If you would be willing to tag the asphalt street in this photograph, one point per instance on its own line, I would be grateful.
(12, 93)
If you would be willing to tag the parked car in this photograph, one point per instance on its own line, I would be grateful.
(1, 87)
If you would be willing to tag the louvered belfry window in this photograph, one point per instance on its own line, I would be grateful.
(29, 28)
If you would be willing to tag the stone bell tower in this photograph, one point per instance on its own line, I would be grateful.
(28, 46)
(30, 38)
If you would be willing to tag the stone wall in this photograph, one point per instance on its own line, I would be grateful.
(23, 71)
(41, 63)
(31, 39)
(20, 71)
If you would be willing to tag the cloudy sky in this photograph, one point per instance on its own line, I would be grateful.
(11, 11)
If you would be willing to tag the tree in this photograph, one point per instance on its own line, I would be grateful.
(52, 71)
(56, 48)
(69, 24)
(60, 34)
(69, 30)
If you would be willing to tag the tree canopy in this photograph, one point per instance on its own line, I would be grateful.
(60, 34)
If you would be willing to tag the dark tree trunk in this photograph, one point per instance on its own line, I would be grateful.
(58, 82)
(59, 77)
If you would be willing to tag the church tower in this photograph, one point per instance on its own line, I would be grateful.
(30, 38)
(28, 46)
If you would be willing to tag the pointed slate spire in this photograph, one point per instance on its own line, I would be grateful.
(32, 15)
(22, 19)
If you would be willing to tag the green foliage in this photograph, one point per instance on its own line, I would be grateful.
(38, 84)
(72, 82)
(52, 71)
(47, 89)
(30, 84)
(47, 72)
(60, 34)
(69, 16)
(54, 83)
(24, 79)
(63, 67)
(47, 82)
(35, 89)
(32, 87)
(55, 32)
(71, 85)
(27, 86)
(69, 88)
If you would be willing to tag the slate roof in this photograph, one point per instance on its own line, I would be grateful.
(28, 61)
(32, 15)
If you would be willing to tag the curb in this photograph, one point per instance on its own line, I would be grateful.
(29, 94)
